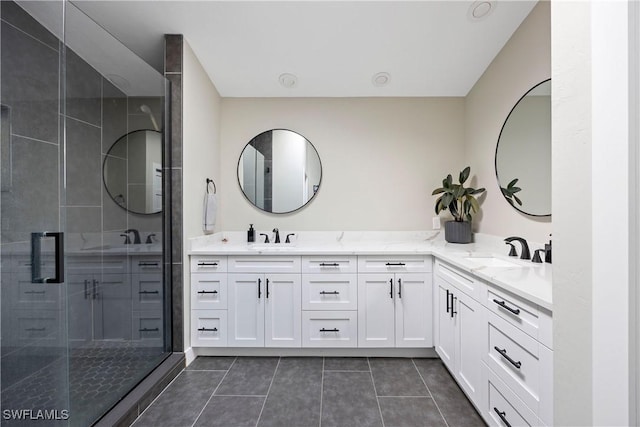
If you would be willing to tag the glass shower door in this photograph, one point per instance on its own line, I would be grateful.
(33, 346)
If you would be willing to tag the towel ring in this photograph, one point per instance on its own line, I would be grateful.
(210, 181)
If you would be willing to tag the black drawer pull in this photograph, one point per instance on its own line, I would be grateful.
(35, 292)
(329, 293)
(448, 300)
(330, 330)
(399, 288)
(506, 307)
(208, 329)
(207, 264)
(207, 292)
(503, 353)
(395, 264)
(149, 330)
(329, 264)
(147, 264)
(502, 416)
(36, 329)
(149, 292)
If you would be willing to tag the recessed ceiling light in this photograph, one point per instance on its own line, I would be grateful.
(288, 80)
(480, 9)
(381, 79)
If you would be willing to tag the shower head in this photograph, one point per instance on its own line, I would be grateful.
(145, 109)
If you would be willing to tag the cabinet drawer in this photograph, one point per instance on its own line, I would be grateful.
(97, 265)
(36, 327)
(43, 296)
(394, 264)
(147, 291)
(460, 280)
(146, 264)
(329, 291)
(329, 264)
(209, 328)
(329, 329)
(518, 360)
(522, 314)
(208, 264)
(502, 406)
(147, 328)
(264, 264)
(208, 291)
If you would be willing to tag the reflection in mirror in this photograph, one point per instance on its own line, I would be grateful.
(523, 153)
(132, 172)
(279, 171)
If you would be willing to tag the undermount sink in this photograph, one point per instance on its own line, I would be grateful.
(271, 246)
(490, 261)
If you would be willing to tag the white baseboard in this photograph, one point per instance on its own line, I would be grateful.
(189, 355)
(308, 352)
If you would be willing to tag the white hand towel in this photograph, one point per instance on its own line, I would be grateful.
(209, 212)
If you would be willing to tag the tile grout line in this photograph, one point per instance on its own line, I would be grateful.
(268, 390)
(429, 390)
(214, 391)
(375, 391)
(158, 397)
(321, 392)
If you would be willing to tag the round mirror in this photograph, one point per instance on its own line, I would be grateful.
(279, 171)
(523, 153)
(132, 172)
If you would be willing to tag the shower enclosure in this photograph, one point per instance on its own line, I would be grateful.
(84, 309)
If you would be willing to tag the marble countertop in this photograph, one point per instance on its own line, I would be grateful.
(524, 278)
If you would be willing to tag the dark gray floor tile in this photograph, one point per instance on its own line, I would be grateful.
(211, 363)
(249, 376)
(396, 377)
(346, 364)
(227, 411)
(410, 412)
(453, 403)
(181, 403)
(348, 399)
(294, 397)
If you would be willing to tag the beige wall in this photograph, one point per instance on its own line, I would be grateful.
(524, 62)
(381, 158)
(201, 154)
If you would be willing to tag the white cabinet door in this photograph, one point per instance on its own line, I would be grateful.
(283, 313)
(413, 295)
(246, 310)
(112, 307)
(376, 310)
(468, 337)
(444, 326)
(79, 296)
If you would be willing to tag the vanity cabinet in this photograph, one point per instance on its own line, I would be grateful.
(209, 301)
(394, 302)
(459, 328)
(264, 308)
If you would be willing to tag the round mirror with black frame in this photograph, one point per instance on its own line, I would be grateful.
(523, 153)
(279, 171)
(132, 172)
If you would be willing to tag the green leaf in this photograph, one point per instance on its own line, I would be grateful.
(449, 181)
(464, 174)
(474, 204)
(518, 200)
(438, 191)
(512, 183)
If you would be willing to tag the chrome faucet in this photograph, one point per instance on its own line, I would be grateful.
(136, 235)
(525, 247)
(277, 239)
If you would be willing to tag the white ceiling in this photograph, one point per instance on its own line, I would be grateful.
(429, 48)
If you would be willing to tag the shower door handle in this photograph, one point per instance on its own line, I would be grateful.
(36, 255)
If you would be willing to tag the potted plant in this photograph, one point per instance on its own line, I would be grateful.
(461, 203)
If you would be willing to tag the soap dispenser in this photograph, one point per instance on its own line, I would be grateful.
(251, 234)
(547, 252)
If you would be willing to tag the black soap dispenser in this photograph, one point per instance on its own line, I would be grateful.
(547, 252)
(251, 234)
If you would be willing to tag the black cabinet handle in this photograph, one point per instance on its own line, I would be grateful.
(453, 305)
(267, 288)
(208, 329)
(207, 292)
(329, 293)
(448, 300)
(86, 289)
(207, 264)
(503, 353)
(502, 416)
(148, 292)
(36, 254)
(36, 329)
(330, 330)
(399, 288)
(35, 292)
(329, 264)
(149, 330)
(506, 307)
(95, 289)
(391, 288)
(259, 290)
(147, 264)
(395, 264)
